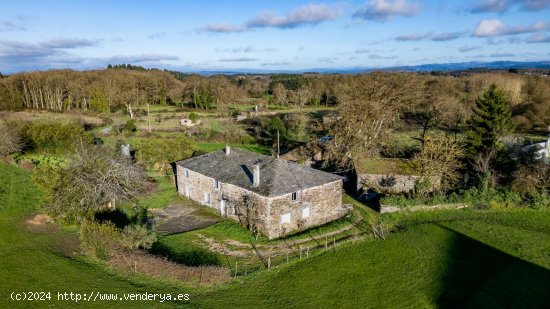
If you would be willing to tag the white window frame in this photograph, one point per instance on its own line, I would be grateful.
(186, 173)
(293, 195)
(206, 197)
(223, 207)
(305, 212)
(216, 184)
(286, 218)
(187, 191)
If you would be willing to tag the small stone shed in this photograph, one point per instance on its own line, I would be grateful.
(267, 195)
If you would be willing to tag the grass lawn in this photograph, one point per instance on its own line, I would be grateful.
(461, 258)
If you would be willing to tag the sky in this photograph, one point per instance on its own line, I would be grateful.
(269, 35)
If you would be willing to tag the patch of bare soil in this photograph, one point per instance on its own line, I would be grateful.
(67, 245)
(155, 266)
(39, 223)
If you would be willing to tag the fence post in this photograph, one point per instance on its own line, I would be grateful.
(307, 252)
(300, 252)
(236, 268)
(326, 243)
(268, 262)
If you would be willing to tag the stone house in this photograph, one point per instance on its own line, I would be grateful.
(270, 196)
(186, 122)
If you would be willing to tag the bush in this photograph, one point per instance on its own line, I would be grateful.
(10, 141)
(54, 138)
(164, 150)
(137, 236)
(501, 198)
(130, 126)
(99, 240)
(193, 117)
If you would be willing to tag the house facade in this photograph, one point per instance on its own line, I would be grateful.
(267, 195)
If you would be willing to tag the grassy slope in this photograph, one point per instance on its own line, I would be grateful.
(429, 265)
(35, 261)
(503, 260)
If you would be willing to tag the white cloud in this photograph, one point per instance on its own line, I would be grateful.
(465, 49)
(444, 36)
(491, 6)
(239, 59)
(311, 14)
(223, 28)
(305, 15)
(383, 10)
(494, 27)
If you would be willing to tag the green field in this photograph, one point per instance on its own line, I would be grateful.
(464, 258)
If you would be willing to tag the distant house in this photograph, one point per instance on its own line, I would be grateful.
(541, 151)
(268, 195)
(188, 122)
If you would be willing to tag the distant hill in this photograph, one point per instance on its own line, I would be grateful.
(455, 66)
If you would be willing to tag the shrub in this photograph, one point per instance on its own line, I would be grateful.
(54, 138)
(137, 236)
(10, 141)
(99, 240)
(164, 150)
(193, 117)
(130, 126)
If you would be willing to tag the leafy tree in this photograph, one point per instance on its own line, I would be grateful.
(164, 150)
(203, 98)
(95, 179)
(276, 124)
(193, 117)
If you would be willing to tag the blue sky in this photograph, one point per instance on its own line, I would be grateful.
(269, 35)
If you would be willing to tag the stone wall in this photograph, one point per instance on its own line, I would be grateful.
(324, 203)
(251, 209)
(391, 183)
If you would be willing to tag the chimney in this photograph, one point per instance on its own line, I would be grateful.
(256, 175)
(227, 150)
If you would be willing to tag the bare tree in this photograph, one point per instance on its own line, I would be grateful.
(96, 178)
(440, 158)
(10, 141)
(369, 106)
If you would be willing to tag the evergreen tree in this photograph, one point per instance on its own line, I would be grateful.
(491, 119)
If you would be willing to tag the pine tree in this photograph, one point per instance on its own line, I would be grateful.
(491, 119)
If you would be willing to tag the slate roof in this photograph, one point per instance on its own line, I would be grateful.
(277, 176)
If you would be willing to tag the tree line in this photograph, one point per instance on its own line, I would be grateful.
(444, 99)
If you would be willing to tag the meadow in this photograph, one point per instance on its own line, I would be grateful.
(460, 258)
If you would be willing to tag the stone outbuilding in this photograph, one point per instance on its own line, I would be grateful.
(270, 196)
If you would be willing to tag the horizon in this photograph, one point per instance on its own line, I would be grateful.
(249, 36)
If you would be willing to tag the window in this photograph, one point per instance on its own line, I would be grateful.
(285, 218)
(305, 212)
(187, 191)
(206, 198)
(294, 196)
(216, 184)
(186, 172)
(222, 207)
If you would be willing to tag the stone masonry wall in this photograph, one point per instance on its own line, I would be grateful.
(390, 183)
(324, 202)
